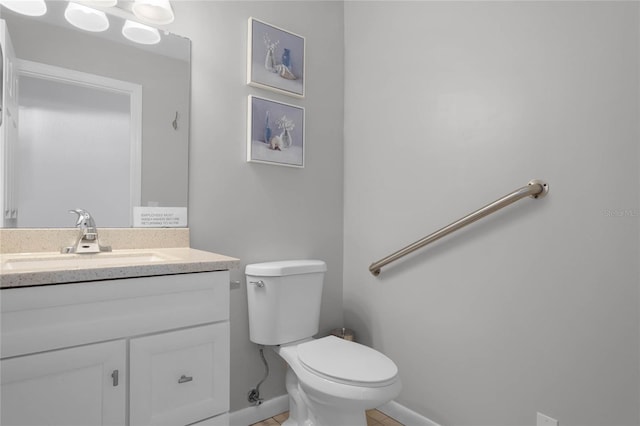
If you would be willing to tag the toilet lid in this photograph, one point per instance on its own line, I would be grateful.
(344, 361)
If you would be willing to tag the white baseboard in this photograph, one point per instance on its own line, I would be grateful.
(250, 415)
(405, 415)
(271, 407)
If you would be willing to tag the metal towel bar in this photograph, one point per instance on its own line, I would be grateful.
(535, 189)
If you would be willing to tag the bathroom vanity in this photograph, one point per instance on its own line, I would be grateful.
(139, 338)
(136, 336)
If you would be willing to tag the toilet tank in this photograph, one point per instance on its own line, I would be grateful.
(284, 300)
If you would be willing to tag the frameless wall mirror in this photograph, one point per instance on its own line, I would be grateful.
(90, 120)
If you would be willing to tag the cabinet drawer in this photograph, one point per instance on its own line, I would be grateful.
(53, 317)
(180, 377)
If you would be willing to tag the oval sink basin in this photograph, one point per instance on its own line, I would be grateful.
(52, 261)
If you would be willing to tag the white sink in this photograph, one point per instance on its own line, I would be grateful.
(52, 261)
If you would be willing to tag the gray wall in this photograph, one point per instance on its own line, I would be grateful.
(449, 106)
(259, 212)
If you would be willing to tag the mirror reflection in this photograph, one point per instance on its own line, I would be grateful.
(90, 120)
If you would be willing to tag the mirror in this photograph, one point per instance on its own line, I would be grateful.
(102, 122)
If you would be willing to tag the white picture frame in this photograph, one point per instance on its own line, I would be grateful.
(275, 59)
(275, 133)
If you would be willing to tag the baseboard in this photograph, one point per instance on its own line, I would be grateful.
(405, 415)
(250, 415)
(271, 407)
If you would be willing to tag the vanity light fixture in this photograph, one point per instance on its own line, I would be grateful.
(26, 7)
(158, 12)
(86, 18)
(140, 33)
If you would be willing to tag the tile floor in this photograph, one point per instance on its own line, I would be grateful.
(374, 418)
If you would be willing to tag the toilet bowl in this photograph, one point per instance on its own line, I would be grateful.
(330, 381)
(339, 380)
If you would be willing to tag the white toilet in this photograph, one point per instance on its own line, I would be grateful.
(330, 381)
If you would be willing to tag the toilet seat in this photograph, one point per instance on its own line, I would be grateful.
(347, 362)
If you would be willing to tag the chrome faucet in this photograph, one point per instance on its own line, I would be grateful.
(88, 239)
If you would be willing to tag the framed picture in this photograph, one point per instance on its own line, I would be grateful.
(276, 59)
(275, 133)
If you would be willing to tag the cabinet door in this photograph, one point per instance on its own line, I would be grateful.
(83, 386)
(179, 377)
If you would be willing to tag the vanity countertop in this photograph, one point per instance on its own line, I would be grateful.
(42, 268)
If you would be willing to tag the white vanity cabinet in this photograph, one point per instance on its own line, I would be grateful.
(137, 351)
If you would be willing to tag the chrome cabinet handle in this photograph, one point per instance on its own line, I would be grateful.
(259, 284)
(185, 379)
(114, 376)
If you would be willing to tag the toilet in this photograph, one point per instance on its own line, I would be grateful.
(330, 381)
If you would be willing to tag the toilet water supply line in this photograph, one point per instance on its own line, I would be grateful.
(254, 394)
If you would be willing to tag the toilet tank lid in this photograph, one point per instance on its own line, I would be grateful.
(285, 267)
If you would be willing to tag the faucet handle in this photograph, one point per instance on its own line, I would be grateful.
(88, 239)
(84, 219)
